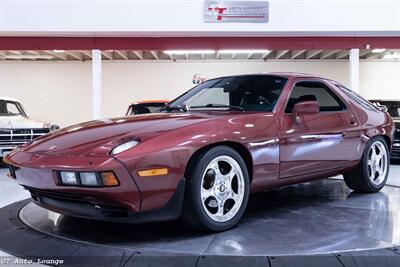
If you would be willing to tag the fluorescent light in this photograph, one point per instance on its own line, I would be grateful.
(58, 51)
(378, 50)
(29, 56)
(184, 52)
(247, 51)
(392, 56)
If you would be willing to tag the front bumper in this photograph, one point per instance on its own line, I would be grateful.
(37, 173)
(76, 206)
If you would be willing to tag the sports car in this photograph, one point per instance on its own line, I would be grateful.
(207, 150)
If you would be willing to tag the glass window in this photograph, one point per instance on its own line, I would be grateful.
(10, 108)
(306, 91)
(145, 108)
(247, 93)
(356, 97)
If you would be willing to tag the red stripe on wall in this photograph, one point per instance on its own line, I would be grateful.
(164, 43)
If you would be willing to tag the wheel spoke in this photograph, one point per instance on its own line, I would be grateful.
(220, 211)
(207, 193)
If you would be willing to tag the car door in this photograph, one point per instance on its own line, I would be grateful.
(318, 142)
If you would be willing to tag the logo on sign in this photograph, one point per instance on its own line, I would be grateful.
(236, 11)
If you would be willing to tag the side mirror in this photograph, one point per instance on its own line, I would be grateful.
(305, 108)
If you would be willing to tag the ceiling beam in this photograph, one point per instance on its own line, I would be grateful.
(61, 56)
(107, 55)
(75, 55)
(86, 53)
(312, 53)
(296, 53)
(155, 54)
(328, 53)
(139, 54)
(281, 53)
(264, 56)
(122, 54)
(342, 54)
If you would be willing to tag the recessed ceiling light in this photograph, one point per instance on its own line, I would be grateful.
(184, 52)
(29, 57)
(378, 50)
(246, 51)
(392, 56)
(58, 51)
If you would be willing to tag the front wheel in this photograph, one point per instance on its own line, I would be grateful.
(372, 171)
(217, 190)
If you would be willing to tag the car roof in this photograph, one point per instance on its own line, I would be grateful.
(281, 74)
(8, 99)
(160, 101)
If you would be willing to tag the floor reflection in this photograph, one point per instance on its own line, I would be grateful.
(316, 217)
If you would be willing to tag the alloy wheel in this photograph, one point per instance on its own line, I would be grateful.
(222, 188)
(377, 163)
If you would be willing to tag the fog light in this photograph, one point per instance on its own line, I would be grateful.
(109, 179)
(68, 178)
(89, 179)
(153, 172)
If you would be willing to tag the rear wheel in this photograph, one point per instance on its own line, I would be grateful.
(217, 190)
(372, 171)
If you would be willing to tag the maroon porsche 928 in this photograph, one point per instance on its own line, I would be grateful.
(204, 152)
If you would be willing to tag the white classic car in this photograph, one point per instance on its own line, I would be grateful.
(16, 128)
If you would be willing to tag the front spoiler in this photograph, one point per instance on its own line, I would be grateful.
(105, 212)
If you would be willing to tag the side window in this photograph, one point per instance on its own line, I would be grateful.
(356, 97)
(306, 91)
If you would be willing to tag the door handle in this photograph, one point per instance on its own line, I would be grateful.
(353, 120)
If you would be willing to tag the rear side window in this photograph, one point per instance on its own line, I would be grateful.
(306, 91)
(356, 97)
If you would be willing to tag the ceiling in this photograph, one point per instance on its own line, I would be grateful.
(152, 55)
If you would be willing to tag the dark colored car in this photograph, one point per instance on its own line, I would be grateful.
(393, 107)
(147, 106)
(207, 150)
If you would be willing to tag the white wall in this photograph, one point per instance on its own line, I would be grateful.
(185, 18)
(61, 91)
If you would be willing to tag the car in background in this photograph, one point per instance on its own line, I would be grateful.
(147, 106)
(393, 107)
(16, 128)
(202, 155)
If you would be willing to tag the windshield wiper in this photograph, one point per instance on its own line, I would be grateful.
(171, 108)
(219, 106)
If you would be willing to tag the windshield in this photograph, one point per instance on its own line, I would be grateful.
(11, 108)
(243, 93)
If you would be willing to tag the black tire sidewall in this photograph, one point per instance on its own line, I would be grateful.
(197, 173)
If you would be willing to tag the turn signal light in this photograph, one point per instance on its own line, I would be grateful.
(109, 179)
(153, 172)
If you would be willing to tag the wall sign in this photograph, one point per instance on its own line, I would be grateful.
(236, 11)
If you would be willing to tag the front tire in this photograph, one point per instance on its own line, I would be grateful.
(372, 172)
(217, 190)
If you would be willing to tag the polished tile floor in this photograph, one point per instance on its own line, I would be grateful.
(11, 192)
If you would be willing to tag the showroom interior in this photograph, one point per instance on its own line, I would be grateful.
(66, 63)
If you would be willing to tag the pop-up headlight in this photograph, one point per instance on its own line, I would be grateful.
(123, 147)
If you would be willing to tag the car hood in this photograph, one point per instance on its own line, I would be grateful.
(98, 138)
(19, 122)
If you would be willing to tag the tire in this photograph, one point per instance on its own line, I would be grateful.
(207, 190)
(371, 173)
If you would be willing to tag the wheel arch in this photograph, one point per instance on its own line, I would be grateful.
(238, 147)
